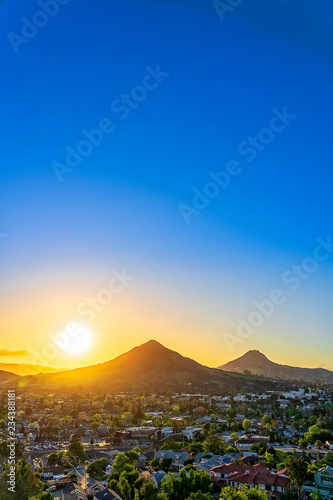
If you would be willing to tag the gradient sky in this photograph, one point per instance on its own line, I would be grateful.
(120, 207)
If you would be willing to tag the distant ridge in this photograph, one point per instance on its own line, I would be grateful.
(150, 367)
(23, 369)
(256, 363)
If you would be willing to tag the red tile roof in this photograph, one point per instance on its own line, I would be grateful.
(256, 474)
(232, 467)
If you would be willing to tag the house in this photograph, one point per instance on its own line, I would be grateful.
(289, 431)
(204, 420)
(34, 463)
(106, 494)
(54, 472)
(149, 455)
(178, 457)
(250, 459)
(323, 482)
(206, 464)
(245, 442)
(142, 460)
(73, 492)
(142, 432)
(111, 453)
(94, 486)
(191, 432)
(236, 476)
(157, 478)
(166, 432)
(102, 430)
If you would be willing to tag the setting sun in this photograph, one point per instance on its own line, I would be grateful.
(76, 341)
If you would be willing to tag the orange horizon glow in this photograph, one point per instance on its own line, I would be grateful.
(115, 346)
(133, 318)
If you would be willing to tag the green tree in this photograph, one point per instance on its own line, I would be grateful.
(195, 447)
(47, 496)
(200, 496)
(329, 459)
(269, 457)
(133, 456)
(244, 493)
(98, 467)
(19, 448)
(146, 491)
(119, 463)
(170, 444)
(303, 443)
(128, 483)
(155, 464)
(27, 483)
(246, 424)
(297, 469)
(214, 445)
(76, 452)
(179, 488)
(316, 495)
(55, 458)
(127, 417)
(166, 464)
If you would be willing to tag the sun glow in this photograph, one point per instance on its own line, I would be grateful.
(75, 340)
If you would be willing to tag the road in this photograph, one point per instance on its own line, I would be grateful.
(290, 449)
(91, 448)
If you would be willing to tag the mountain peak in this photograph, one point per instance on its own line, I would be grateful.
(152, 342)
(252, 360)
(254, 353)
(255, 362)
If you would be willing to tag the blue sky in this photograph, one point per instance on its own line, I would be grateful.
(120, 206)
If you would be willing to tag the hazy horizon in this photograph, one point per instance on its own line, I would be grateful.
(168, 347)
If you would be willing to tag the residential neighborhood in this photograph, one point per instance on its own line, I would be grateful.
(82, 447)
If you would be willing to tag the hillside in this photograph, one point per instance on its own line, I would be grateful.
(258, 364)
(23, 369)
(7, 376)
(150, 367)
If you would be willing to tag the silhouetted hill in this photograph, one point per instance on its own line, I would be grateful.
(258, 364)
(7, 376)
(150, 367)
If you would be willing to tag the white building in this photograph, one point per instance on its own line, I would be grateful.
(190, 432)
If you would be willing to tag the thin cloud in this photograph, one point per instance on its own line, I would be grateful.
(6, 352)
